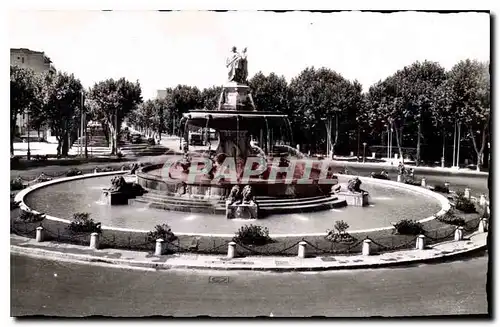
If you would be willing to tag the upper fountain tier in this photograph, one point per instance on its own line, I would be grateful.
(235, 101)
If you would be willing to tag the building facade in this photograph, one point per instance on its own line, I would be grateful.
(39, 63)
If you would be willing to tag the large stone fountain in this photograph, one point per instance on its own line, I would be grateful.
(253, 154)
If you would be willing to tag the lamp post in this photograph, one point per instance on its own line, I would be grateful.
(364, 152)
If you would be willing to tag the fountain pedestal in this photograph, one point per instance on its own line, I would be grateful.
(115, 198)
(242, 211)
(354, 199)
(236, 97)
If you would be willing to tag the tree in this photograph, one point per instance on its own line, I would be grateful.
(111, 101)
(62, 107)
(180, 100)
(269, 92)
(470, 96)
(24, 96)
(148, 117)
(210, 97)
(386, 107)
(321, 97)
(418, 84)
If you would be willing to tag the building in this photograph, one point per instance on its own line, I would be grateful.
(35, 60)
(39, 63)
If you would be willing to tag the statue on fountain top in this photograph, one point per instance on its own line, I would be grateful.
(236, 64)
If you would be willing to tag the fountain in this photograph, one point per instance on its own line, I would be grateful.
(254, 153)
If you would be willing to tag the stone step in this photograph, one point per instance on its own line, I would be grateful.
(264, 211)
(170, 202)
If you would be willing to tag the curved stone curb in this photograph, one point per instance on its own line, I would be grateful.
(233, 264)
(445, 205)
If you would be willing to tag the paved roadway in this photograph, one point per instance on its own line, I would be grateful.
(58, 288)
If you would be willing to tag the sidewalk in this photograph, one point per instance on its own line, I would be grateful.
(124, 258)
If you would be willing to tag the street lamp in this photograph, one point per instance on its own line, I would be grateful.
(364, 152)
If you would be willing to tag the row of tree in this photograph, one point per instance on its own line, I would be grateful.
(58, 101)
(417, 105)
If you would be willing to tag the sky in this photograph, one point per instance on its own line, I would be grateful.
(189, 47)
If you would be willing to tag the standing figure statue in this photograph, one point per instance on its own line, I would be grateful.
(237, 64)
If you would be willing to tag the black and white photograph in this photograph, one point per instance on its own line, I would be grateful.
(250, 163)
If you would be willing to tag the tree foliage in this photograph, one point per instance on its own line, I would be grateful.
(111, 101)
(270, 93)
(24, 96)
(62, 94)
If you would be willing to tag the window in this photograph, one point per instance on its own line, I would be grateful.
(22, 60)
(18, 58)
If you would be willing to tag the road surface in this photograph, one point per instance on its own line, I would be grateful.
(53, 288)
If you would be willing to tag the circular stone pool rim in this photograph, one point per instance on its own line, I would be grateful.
(445, 204)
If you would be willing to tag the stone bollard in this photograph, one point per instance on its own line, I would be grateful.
(94, 241)
(399, 178)
(423, 183)
(459, 233)
(160, 248)
(366, 247)
(373, 155)
(420, 242)
(302, 250)
(467, 193)
(483, 225)
(231, 250)
(447, 185)
(96, 170)
(40, 233)
(482, 200)
(352, 154)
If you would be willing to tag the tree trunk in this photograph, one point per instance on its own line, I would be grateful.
(419, 132)
(59, 145)
(336, 135)
(479, 152)
(399, 140)
(12, 132)
(112, 138)
(65, 144)
(444, 142)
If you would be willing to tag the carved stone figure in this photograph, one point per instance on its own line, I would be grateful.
(247, 195)
(233, 195)
(117, 184)
(354, 185)
(236, 64)
(181, 188)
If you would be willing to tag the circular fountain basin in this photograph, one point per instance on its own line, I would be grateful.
(388, 203)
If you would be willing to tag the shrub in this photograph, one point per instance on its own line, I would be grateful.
(253, 235)
(380, 176)
(441, 188)
(14, 204)
(31, 217)
(412, 182)
(161, 231)
(341, 226)
(15, 160)
(151, 141)
(16, 184)
(83, 224)
(465, 205)
(73, 172)
(340, 235)
(451, 219)
(409, 227)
